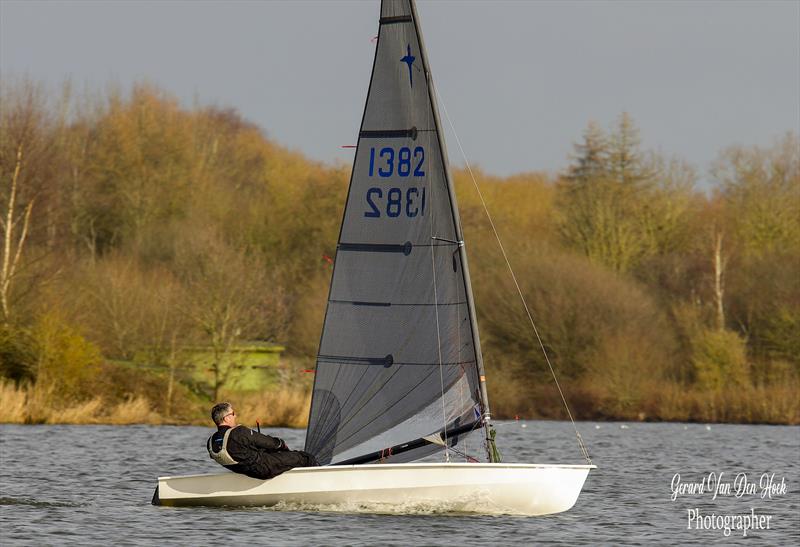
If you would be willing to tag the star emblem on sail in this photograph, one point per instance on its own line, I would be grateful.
(409, 60)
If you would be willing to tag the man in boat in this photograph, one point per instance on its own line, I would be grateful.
(245, 451)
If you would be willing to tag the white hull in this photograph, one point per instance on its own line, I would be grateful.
(491, 488)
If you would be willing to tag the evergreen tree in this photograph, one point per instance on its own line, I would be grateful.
(603, 197)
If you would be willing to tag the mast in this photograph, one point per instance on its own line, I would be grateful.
(484, 396)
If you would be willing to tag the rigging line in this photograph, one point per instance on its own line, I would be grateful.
(429, 117)
(465, 453)
(438, 333)
(463, 370)
(514, 278)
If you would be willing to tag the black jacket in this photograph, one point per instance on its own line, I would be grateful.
(259, 456)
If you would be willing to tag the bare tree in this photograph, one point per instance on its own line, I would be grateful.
(12, 246)
(232, 298)
(720, 263)
(115, 301)
(26, 159)
(761, 188)
(166, 330)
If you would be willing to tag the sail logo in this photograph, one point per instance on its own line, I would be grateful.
(409, 60)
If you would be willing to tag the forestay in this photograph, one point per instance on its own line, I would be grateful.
(399, 356)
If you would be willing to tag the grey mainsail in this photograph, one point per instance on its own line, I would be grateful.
(399, 357)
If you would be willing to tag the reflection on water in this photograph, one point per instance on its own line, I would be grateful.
(92, 484)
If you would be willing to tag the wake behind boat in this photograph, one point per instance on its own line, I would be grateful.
(399, 373)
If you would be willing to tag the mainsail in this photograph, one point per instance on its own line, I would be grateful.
(399, 358)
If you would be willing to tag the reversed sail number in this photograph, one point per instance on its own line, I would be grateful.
(412, 201)
(404, 162)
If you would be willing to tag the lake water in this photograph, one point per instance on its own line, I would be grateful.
(93, 484)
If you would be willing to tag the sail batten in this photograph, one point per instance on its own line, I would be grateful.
(399, 358)
(392, 133)
(387, 304)
(395, 19)
(382, 361)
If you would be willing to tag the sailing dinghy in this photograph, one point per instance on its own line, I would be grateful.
(399, 374)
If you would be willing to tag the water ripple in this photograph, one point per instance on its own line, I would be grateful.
(37, 503)
(99, 491)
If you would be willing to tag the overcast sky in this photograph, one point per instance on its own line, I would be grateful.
(520, 80)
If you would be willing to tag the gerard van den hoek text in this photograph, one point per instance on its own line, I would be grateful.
(766, 487)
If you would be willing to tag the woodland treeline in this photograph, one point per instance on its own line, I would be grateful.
(135, 229)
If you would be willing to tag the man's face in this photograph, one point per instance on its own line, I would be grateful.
(230, 418)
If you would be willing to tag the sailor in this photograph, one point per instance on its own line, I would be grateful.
(245, 451)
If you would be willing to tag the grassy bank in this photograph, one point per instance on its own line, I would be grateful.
(289, 408)
(663, 402)
(32, 405)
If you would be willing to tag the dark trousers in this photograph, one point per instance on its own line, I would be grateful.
(272, 465)
(283, 461)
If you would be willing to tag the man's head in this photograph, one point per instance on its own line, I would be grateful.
(223, 414)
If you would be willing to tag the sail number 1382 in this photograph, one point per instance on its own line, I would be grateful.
(395, 202)
(404, 162)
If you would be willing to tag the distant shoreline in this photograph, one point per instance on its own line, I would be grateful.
(289, 406)
(502, 420)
